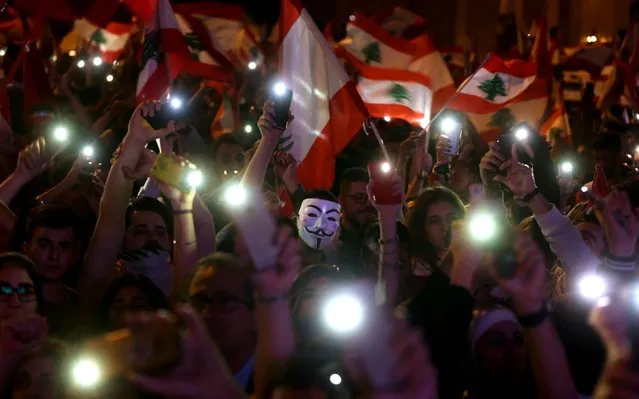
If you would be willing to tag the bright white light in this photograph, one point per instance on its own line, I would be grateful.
(637, 116)
(72, 53)
(335, 379)
(584, 189)
(3, 52)
(235, 172)
(385, 167)
(88, 151)
(637, 149)
(176, 103)
(521, 133)
(279, 89)
(116, 63)
(81, 64)
(423, 123)
(54, 57)
(86, 373)
(61, 133)
(387, 118)
(629, 156)
(592, 287)
(248, 128)
(235, 195)
(351, 18)
(252, 65)
(448, 125)
(97, 61)
(343, 313)
(109, 78)
(482, 226)
(566, 167)
(194, 178)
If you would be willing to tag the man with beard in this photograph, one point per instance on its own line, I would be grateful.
(318, 221)
(357, 213)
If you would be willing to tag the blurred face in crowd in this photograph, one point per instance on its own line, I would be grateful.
(37, 378)
(593, 236)
(439, 219)
(53, 250)
(220, 296)
(128, 299)
(146, 228)
(356, 206)
(460, 177)
(317, 222)
(500, 353)
(12, 303)
(229, 158)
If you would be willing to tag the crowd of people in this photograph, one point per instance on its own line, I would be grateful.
(478, 270)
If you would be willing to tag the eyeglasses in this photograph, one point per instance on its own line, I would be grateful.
(222, 302)
(25, 292)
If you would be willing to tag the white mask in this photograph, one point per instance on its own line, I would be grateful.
(318, 221)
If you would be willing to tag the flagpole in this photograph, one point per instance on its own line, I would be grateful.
(369, 123)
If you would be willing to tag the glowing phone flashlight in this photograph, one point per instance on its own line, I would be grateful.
(88, 151)
(61, 133)
(521, 133)
(86, 373)
(279, 89)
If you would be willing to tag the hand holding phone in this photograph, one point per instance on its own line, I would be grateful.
(179, 174)
(384, 184)
(172, 110)
(282, 97)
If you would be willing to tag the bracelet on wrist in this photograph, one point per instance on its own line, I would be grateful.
(185, 242)
(528, 197)
(533, 320)
(389, 241)
(182, 211)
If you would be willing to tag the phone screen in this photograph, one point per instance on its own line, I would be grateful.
(282, 107)
(382, 183)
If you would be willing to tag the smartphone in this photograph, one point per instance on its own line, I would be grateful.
(154, 350)
(166, 113)
(454, 137)
(382, 183)
(506, 141)
(260, 242)
(282, 108)
(171, 172)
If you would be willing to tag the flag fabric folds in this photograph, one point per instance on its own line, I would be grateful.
(328, 111)
(428, 61)
(501, 93)
(395, 93)
(110, 41)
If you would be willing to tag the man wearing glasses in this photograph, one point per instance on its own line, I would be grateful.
(221, 292)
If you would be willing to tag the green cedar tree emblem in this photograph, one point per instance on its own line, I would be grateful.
(373, 53)
(194, 43)
(399, 93)
(151, 49)
(493, 87)
(502, 119)
(99, 38)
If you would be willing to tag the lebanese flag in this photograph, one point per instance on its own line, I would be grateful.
(557, 128)
(328, 111)
(400, 22)
(369, 44)
(226, 117)
(428, 61)
(110, 41)
(208, 61)
(396, 93)
(500, 94)
(164, 54)
(591, 59)
(229, 28)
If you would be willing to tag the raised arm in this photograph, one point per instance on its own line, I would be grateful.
(32, 161)
(106, 243)
(256, 169)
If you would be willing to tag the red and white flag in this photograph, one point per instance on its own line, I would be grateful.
(369, 44)
(169, 50)
(428, 61)
(328, 111)
(396, 94)
(110, 41)
(400, 22)
(229, 28)
(557, 127)
(500, 94)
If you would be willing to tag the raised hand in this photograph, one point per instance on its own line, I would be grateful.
(620, 223)
(490, 163)
(201, 366)
(139, 128)
(443, 150)
(393, 210)
(286, 169)
(21, 334)
(33, 159)
(526, 286)
(466, 257)
(267, 124)
(277, 280)
(180, 200)
(519, 178)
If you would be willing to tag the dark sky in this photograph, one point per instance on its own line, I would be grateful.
(258, 10)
